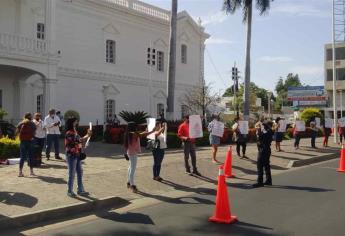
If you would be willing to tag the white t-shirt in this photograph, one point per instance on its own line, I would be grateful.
(40, 132)
(162, 140)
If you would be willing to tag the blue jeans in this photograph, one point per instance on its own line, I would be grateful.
(25, 153)
(131, 169)
(52, 138)
(158, 155)
(74, 166)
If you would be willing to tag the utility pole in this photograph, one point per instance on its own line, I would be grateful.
(172, 61)
(335, 113)
(235, 86)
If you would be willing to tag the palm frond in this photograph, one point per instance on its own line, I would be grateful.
(138, 117)
(263, 6)
(230, 6)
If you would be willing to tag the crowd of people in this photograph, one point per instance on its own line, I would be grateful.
(37, 136)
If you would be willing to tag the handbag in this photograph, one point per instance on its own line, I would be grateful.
(152, 144)
(82, 156)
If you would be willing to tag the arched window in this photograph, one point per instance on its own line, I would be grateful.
(160, 109)
(184, 111)
(110, 51)
(184, 54)
(39, 103)
(109, 109)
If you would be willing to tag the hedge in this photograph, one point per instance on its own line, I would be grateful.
(9, 148)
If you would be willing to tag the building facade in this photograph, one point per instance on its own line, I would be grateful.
(340, 82)
(97, 57)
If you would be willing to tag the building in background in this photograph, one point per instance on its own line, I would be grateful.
(340, 75)
(97, 57)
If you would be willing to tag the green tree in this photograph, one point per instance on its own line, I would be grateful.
(231, 6)
(292, 80)
(309, 113)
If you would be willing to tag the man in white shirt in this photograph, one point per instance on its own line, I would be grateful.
(52, 124)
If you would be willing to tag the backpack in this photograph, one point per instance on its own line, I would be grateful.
(27, 131)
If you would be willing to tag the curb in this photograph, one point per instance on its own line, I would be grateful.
(309, 161)
(58, 213)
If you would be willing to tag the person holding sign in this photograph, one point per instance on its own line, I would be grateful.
(278, 134)
(326, 133)
(132, 148)
(216, 128)
(188, 146)
(299, 127)
(314, 131)
(240, 138)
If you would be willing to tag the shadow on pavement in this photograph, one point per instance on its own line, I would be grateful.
(201, 191)
(244, 170)
(288, 187)
(179, 200)
(52, 166)
(285, 157)
(129, 217)
(52, 180)
(18, 199)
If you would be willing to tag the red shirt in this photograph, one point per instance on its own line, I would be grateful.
(341, 130)
(183, 131)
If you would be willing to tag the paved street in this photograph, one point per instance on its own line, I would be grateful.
(303, 201)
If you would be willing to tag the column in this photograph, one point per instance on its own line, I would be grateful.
(49, 94)
(50, 13)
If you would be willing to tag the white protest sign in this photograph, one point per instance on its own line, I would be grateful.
(282, 126)
(243, 126)
(195, 126)
(318, 122)
(218, 129)
(151, 124)
(329, 123)
(341, 122)
(300, 125)
(88, 139)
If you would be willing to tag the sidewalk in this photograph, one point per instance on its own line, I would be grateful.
(105, 172)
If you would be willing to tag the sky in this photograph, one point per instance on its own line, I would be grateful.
(289, 39)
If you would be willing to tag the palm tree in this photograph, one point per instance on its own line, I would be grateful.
(231, 6)
(172, 61)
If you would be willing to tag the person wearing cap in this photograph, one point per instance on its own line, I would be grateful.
(188, 146)
(264, 135)
(52, 124)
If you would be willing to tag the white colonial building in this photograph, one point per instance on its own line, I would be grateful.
(97, 57)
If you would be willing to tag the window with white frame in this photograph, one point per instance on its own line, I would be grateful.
(184, 111)
(160, 61)
(40, 31)
(110, 51)
(184, 54)
(109, 108)
(160, 109)
(39, 103)
(151, 56)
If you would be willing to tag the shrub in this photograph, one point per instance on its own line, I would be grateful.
(9, 148)
(2, 113)
(139, 117)
(310, 113)
(71, 114)
(7, 129)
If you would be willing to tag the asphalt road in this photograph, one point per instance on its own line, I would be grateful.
(304, 201)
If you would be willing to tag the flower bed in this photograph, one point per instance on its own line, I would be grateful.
(9, 148)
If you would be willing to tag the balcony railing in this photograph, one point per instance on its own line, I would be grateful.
(141, 7)
(17, 44)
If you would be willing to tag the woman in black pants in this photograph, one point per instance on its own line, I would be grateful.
(240, 139)
(159, 148)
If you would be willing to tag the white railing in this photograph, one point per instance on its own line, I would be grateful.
(18, 44)
(141, 7)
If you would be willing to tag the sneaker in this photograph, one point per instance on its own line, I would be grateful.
(20, 175)
(195, 172)
(71, 194)
(128, 185)
(58, 158)
(257, 185)
(188, 172)
(159, 179)
(134, 188)
(82, 193)
(269, 183)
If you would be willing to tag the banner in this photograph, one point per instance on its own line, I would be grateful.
(341, 122)
(329, 123)
(151, 124)
(243, 126)
(218, 128)
(318, 122)
(282, 126)
(300, 125)
(195, 126)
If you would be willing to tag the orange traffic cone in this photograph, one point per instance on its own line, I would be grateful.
(222, 213)
(228, 164)
(342, 160)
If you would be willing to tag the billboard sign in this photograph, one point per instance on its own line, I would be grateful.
(307, 93)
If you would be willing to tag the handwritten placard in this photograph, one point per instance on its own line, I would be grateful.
(151, 124)
(282, 126)
(243, 126)
(195, 126)
(329, 123)
(218, 129)
(88, 139)
(341, 122)
(318, 122)
(300, 125)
